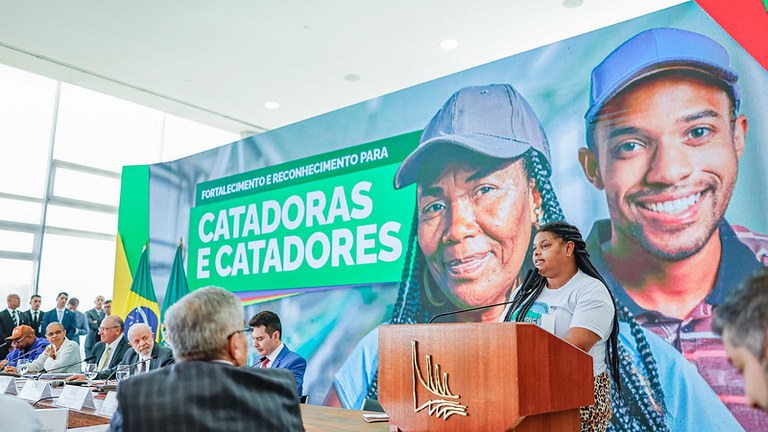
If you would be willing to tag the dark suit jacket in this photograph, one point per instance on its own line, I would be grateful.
(161, 357)
(93, 319)
(117, 356)
(208, 396)
(295, 363)
(6, 328)
(35, 324)
(69, 321)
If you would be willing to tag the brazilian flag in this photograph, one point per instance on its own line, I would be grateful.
(177, 287)
(142, 304)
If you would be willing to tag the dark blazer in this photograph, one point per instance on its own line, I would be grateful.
(93, 318)
(161, 357)
(202, 396)
(295, 363)
(69, 321)
(117, 356)
(6, 328)
(35, 323)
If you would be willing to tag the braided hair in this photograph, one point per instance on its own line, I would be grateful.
(639, 403)
(529, 292)
(636, 407)
(413, 305)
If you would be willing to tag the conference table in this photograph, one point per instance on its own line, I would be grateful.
(316, 418)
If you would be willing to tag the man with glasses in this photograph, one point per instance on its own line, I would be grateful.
(209, 388)
(61, 315)
(26, 346)
(146, 355)
(110, 351)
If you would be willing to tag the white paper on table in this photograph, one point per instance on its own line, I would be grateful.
(75, 397)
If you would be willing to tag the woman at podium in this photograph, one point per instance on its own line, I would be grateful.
(567, 297)
(482, 171)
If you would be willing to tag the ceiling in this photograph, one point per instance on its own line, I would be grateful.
(220, 62)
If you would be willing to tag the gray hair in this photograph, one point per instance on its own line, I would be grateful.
(116, 321)
(745, 315)
(139, 326)
(53, 325)
(197, 326)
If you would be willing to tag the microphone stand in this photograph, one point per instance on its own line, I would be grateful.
(63, 367)
(121, 367)
(458, 311)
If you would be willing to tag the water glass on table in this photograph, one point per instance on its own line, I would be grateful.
(22, 366)
(122, 373)
(90, 372)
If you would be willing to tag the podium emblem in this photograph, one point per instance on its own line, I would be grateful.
(445, 403)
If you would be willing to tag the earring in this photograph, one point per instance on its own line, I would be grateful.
(538, 216)
(428, 290)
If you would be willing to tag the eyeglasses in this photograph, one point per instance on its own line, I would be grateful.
(108, 328)
(245, 330)
(54, 333)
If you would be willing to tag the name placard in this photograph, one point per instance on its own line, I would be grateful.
(8, 385)
(35, 390)
(75, 398)
(109, 406)
(53, 420)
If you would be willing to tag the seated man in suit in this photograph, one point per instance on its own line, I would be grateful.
(61, 315)
(208, 389)
(26, 346)
(266, 332)
(146, 355)
(108, 353)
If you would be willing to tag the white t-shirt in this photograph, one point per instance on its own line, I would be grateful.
(582, 302)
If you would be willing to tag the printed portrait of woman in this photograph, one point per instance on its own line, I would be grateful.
(482, 174)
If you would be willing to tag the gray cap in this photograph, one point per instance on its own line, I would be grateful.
(493, 120)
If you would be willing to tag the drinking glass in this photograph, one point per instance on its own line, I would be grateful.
(90, 372)
(122, 373)
(22, 366)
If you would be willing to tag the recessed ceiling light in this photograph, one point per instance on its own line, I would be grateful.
(448, 44)
(352, 77)
(271, 105)
(572, 3)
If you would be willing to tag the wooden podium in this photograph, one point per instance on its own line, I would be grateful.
(481, 377)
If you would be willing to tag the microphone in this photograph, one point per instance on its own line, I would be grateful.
(87, 359)
(458, 311)
(128, 367)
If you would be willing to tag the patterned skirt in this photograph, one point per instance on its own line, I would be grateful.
(595, 418)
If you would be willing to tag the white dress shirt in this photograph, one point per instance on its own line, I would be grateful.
(67, 355)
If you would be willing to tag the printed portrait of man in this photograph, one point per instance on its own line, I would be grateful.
(664, 142)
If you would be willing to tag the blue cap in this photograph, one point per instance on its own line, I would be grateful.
(493, 120)
(654, 51)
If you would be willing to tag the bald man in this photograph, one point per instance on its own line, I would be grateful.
(10, 318)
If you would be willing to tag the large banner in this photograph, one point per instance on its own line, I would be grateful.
(327, 218)
(646, 135)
